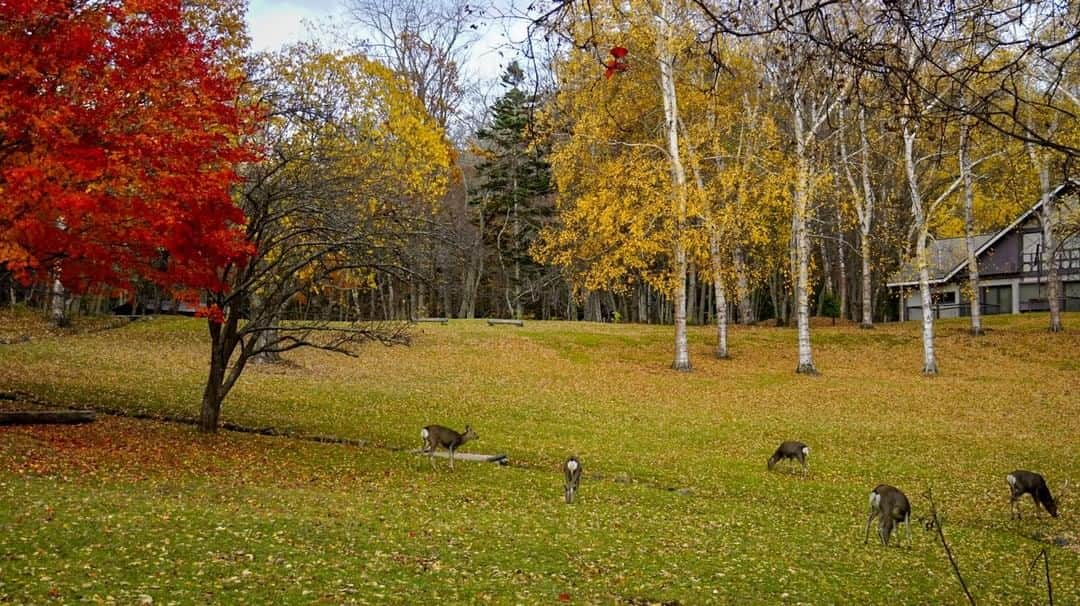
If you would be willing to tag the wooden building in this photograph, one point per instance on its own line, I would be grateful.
(1012, 275)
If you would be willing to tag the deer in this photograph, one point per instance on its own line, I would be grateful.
(892, 507)
(572, 473)
(796, 451)
(1028, 482)
(436, 436)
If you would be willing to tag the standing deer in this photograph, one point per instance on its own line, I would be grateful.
(572, 472)
(796, 451)
(435, 436)
(893, 507)
(1026, 482)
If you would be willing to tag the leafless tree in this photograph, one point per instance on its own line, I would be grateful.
(305, 232)
(426, 41)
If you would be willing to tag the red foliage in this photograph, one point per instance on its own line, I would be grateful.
(616, 63)
(212, 313)
(119, 138)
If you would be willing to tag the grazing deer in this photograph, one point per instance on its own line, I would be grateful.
(1026, 482)
(796, 451)
(572, 472)
(436, 436)
(893, 507)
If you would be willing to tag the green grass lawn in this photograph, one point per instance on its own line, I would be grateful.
(675, 503)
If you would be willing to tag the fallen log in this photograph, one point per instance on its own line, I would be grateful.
(46, 417)
(496, 322)
(432, 320)
(500, 459)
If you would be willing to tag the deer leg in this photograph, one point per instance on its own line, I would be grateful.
(907, 525)
(873, 513)
(1037, 504)
(451, 458)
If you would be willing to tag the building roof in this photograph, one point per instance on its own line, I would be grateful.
(944, 256)
(949, 255)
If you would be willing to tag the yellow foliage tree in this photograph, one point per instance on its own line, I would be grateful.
(347, 153)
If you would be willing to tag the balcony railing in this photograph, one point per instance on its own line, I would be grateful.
(963, 309)
(1068, 261)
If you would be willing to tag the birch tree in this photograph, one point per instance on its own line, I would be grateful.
(665, 57)
(625, 128)
(964, 162)
(811, 102)
(863, 200)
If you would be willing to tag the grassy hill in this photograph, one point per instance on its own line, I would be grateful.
(676, 505)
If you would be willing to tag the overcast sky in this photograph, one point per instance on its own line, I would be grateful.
(272, 23)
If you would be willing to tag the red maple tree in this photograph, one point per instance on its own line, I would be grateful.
(119, 142)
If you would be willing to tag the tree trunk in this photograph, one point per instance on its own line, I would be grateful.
(721, 300)
(802, 241)
(867, 286)
(843, 284)
(266, 337)
(223, 341)
(863, 197)
(929, 360)
(742, 288)
(826, 278)
(918, 212)
(691, 293)
(802, 291)
(1049, 243)
(969, 231)
(643, 304)
(57, 307)
(666, 59)
(571, 305)
(261, 341)
(210, 410)
(46, 417)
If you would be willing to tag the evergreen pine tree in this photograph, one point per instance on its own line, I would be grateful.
(514, 190)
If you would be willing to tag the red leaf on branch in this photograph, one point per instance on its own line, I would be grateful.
(613, 65)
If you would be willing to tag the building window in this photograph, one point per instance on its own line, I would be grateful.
(1072, 296)
(1069, 256)
(997, 299)
(947, 298)
(1030, 255)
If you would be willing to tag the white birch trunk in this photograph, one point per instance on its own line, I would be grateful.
(666, 60)
(866, 222)
(863, 199)
(918, 211)
(1049, 244)
(721, 298)
(842, 266)
(929, 359)
(969, 231)
(802, 240)
(867, 287)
